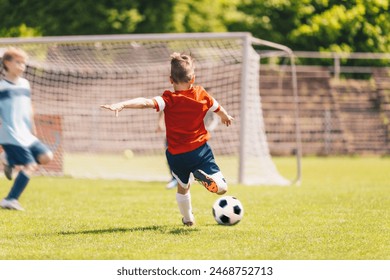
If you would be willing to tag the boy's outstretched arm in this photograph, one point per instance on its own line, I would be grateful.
(136, 103)
(226, 119)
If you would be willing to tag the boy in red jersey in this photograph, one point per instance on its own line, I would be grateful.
(188, 151)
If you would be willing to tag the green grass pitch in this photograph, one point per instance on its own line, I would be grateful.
(341, 211)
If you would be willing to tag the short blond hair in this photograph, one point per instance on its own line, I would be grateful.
(12, 53)
(182, 67)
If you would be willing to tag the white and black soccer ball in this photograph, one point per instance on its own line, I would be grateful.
(228, 210)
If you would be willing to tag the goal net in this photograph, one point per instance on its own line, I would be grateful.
(72, 76)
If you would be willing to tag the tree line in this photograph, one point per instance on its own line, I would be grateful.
(305, 25)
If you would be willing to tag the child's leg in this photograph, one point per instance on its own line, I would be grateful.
(214, 183)
(21, 181)
(42, 155)
(173, 182)
(183, 198)
(45, 158)
(6, 166)
(208, 173)
(28, 157)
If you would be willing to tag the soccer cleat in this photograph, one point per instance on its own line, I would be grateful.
(6, 166)
(12, 204)
(172, 184)
(8, 172)
(189, 223)
(206, 181)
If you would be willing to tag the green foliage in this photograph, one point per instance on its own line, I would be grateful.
(204, 15)
(347, 28)
(70, 17)
(270, 19)
(340, 212)
(157, 16)
(185, 16)
(313, 25)
(19, 31)
(320, 25)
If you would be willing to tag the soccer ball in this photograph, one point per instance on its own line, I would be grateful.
(228, 210)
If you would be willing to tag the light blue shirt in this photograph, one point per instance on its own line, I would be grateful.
(16, 113)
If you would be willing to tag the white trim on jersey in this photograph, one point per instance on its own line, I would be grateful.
(160, 103)
(215, 105)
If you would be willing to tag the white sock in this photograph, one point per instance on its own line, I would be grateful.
(3, 158)
(184, 203)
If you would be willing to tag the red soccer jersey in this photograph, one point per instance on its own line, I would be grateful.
(184, 112)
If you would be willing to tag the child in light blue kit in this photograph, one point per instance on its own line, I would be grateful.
(22, 148)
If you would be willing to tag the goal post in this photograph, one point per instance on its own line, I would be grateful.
(71, 76)
(294, 99)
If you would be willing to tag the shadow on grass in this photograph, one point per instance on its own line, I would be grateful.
(161, 229)
(183, 230)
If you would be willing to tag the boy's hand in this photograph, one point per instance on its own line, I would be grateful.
(227, 120)
(117, 107)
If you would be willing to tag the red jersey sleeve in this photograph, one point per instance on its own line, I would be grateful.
(160, 102)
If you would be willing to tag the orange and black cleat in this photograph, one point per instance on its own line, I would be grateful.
(206, 181)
